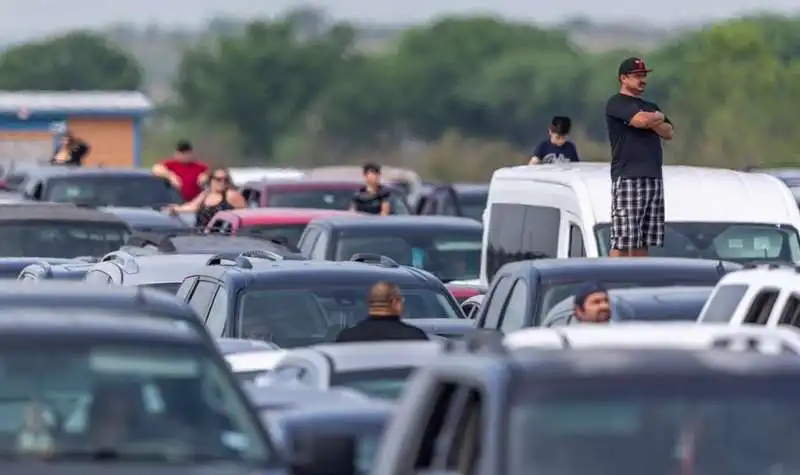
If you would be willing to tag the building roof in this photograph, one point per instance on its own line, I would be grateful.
(75, 102)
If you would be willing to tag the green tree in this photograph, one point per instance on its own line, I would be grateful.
(77, 61)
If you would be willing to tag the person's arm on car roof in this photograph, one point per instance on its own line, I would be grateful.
(159, 169)
(189, 207)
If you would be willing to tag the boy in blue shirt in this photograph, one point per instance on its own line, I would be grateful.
(557, 148)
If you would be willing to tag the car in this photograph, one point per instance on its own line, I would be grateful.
(298, 303)
(270, 399)
(283, 224)
(377, 369)
(248, 366)
(234, 346)
(649, 304)
(438, 199)
(147, 220)
(66, 372)
(47, 270)
(58, 231)
(447, 246)
(124, 187)
(242, 175)
(313, 193)
(524, 292)
(14, 179)
(10, 267)
(73, 298)
(759, 294)
(156, 271)
(494, 410)
(405, 180)
(472, 199)
(461, 199)
(472, 305)
(193, 242)
(306, 434)
(790, 176)
(463, 290)
(556, 211)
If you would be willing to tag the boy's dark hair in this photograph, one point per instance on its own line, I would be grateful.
(184, 146)
(561, 125)
(370, 167)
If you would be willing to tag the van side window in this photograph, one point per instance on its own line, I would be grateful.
(724, 302)
(519, 233)
(576, 247)
(761, 307)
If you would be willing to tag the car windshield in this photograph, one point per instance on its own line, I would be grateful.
(384, 383)
(300, 317)
(334, 198)
(737, 242)
(124, 191)
(675, 425)
(446, 254)
(66, 239)
(79, 397)
(169, 287)
(289, 232)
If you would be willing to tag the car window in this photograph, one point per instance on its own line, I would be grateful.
(576, 246)
(143, 191)
(63, 239)
(308, 239)
(515, 315)
(495, 302)
(218, 313)
(289, 232)
(519, 233)
(724, 302)
(201, 297)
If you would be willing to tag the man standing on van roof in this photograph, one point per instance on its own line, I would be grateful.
(635, 130)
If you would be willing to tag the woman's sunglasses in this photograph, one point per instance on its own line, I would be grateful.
(222, 179)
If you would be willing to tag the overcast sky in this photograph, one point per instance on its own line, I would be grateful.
(20, 18)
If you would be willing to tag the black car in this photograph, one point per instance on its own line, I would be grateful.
(190, 241)
(642, 304)
(356, 426)
(47, 270)
(448, 247)
(524, 292)
(69, 366)
(58, 230)
(461, 199)
(298, 303)
(126, 187)
(148, 220)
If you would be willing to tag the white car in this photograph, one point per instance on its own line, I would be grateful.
(249, 359)
(378, 369)
(664, 336)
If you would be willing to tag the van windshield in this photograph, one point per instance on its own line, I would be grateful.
(737, 242)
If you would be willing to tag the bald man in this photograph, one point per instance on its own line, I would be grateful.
(385, 307)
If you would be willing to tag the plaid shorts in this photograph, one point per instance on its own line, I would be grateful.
(637, 213)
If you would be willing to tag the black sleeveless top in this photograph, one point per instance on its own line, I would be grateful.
(205, 213)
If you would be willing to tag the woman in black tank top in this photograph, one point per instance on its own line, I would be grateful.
(220, 196)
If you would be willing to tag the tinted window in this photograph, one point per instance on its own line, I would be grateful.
(515, 315)
(519, 233)
(169, 287)
(66, 384)
(576, 247)
(497, 299)
(290, 232)
(449, 255)
(218, 314)
(202, 296)
(326, 199)
(300, 317)
(110, 190)
(60, 239)
(724, 302)
(738, 242)
(308, 239)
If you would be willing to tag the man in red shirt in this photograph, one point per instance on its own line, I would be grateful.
(184, 171)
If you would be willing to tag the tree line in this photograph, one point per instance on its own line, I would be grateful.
(475, 91)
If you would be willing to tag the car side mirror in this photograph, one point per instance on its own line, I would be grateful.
(324, 455)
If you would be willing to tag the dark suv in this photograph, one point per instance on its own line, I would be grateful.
(298, 303)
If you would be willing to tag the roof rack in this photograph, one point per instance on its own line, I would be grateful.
(242, 259)
(769, 265)
(376, 259)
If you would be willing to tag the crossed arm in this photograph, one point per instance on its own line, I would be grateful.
(655, 121)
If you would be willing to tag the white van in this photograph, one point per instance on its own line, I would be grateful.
(564, 210)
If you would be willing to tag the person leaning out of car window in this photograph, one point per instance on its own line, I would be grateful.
(71, 151)
(591, 306)
(372, 198)
(383, 323)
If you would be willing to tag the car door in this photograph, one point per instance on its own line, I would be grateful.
(201, 297)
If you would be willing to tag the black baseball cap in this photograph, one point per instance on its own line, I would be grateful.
(633, 65)
(184, 146)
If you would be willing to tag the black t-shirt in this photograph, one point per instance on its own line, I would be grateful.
(635, 153)
(366, 202)
(548, 152)
(378, 328)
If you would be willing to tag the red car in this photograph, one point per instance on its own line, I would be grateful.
(317, 194)
(463, 291)
(282, 224)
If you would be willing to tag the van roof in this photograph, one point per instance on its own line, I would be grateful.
(692, 193)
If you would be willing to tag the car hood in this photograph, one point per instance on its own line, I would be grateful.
(105, 468)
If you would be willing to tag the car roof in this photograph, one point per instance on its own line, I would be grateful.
(191, 242)
(56, 213)
(303, 273)
(230, 346)
(159, 268)
(145, 219)
(607, 268)
(283, 215)
(739, 197)
(383, 354)
(764, 276)
(256, 360)
(433, 222)
(284, 396)
(306, 183)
